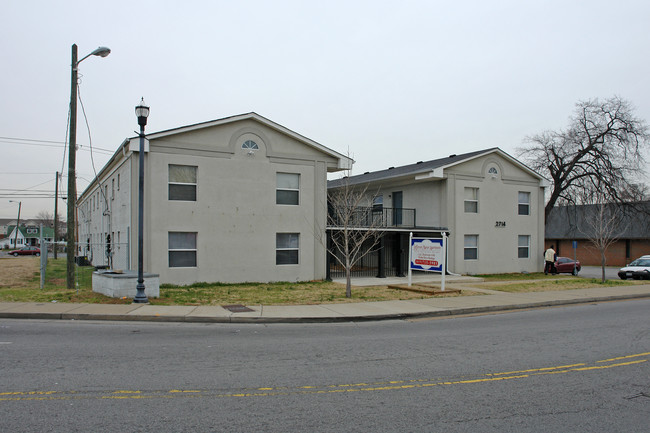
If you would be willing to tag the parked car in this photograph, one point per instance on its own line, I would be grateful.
(639, 269)
(565, 265)
(26, 251)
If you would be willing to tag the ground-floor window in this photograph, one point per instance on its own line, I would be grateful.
(287, 248)
(182, 249)
(471, 247)
(523, 247)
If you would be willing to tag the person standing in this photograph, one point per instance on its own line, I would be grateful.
(549, 258)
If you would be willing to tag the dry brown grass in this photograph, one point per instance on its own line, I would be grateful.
(17, 272)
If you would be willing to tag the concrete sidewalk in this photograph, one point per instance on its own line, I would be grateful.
(490, 301)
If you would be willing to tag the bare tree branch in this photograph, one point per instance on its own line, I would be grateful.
(600, 148)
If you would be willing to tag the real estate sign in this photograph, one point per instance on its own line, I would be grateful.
(428, 254)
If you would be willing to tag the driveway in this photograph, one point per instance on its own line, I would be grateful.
(611, 272)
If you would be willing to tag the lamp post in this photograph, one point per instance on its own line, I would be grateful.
(142, 112)
(17, 222)
(72, 152)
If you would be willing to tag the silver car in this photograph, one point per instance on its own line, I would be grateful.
(639, 269)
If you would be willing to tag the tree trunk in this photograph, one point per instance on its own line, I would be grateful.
(602, 264)
(348, 283)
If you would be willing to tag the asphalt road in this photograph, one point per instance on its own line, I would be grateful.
(580, 368)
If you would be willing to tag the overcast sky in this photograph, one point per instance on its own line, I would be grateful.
(391, 83)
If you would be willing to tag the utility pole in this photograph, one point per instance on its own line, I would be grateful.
(72, 177)
(56, 213)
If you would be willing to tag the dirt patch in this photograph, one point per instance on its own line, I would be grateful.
(18, 271)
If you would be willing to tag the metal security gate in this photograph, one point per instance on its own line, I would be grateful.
(388, 259)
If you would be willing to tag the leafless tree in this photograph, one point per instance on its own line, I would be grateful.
(45, 218)
(355, 230)
(603, 144)
(603, 222)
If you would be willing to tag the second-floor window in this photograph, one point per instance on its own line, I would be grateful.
(182, 182)
(524, 203)
(471, 200)
(288, 189)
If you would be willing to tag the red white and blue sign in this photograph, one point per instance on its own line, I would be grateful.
(427, 254)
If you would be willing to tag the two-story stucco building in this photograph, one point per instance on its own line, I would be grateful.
(490, 205)
(231, 200)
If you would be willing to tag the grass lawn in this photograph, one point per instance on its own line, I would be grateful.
(19, 282)
(22, 285)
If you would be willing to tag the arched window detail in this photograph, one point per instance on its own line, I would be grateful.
(250, 144)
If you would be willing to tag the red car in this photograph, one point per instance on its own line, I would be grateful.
(565, 265)
(26, 251)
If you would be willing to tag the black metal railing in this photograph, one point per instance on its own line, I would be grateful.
(372, 217)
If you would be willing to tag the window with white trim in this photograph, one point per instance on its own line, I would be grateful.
(523, 203)
(523, 246)
(182, 182)
(471, 247)
(287, 189)
(471, 200)
(287, 248)
(182, 249)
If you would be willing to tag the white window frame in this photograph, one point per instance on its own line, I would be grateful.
(523, 203)
(279, 189)
(521, 248)
(284, 248)
(467, 248)
(171, 250)
(194, 184)
(470, 200)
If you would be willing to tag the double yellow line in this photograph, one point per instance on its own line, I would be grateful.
(628, 360)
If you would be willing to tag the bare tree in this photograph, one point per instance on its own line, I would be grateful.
(602, 144)
(355, 231)
(603, 223)
(45, 218)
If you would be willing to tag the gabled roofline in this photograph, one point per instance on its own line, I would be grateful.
(345, 163)
(433, 169)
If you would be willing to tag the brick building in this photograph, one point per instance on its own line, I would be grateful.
(629, 226)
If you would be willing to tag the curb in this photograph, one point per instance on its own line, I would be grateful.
(338, 319)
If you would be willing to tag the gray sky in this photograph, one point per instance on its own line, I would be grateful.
(391, 83)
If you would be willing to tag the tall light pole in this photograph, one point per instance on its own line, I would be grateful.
(17, 222)
(142, 112)
(72, 153)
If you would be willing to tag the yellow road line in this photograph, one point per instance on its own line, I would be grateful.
(323, 389)
(625, 357)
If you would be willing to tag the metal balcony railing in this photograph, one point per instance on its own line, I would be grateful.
(372, 217)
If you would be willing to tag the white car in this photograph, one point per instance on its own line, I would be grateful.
(639, 269)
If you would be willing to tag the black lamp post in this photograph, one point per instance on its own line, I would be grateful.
(142, 112)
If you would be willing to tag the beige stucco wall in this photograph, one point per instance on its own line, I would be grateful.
(105, 213)
(235, 215)
(497, 222)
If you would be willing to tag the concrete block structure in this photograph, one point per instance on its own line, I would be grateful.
(231, 200)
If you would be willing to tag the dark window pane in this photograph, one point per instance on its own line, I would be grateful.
(471, 253)
(286, 197)
(523, 252)
(182, 259)
(523, 209)
(286, 257)
(471, 207)
(182, 192)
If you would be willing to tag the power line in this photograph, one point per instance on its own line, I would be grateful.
(49, 143)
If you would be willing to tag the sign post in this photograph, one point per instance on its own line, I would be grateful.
(428, 254)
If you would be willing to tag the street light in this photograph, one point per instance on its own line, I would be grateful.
(142, 112)
(72, 151)
(17, 221)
